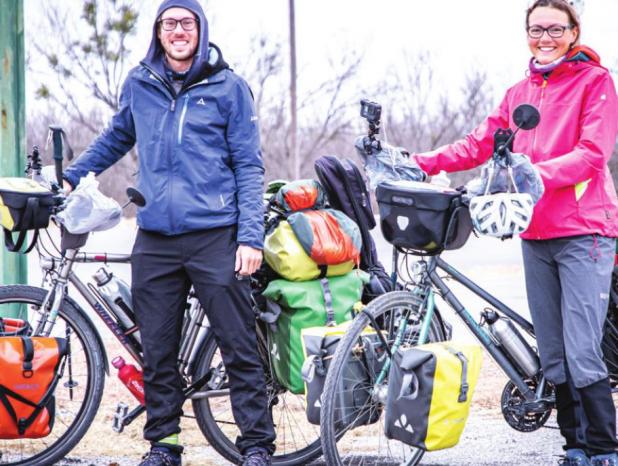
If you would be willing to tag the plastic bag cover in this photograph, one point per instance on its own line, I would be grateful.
(526, 177)
(88, 209)
(389, 164)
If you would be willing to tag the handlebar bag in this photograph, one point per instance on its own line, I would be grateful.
(31, 368)
(354, 407)
(24, 205)
(429, 391)
(422, 217)
(314, 303)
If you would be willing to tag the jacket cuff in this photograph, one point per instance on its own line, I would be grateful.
(71, 179)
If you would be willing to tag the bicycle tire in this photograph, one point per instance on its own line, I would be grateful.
(92, 360)
(609, 343)
(332, 434)
(212, 424)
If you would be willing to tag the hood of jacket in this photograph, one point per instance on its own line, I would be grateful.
(201, 67)
(578, 58)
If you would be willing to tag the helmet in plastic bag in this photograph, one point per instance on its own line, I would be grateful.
(501, 215)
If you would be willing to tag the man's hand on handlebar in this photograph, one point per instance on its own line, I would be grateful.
(67, 187)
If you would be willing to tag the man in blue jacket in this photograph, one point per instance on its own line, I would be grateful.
(201, 173)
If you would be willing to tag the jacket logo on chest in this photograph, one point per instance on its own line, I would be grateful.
(201, 101)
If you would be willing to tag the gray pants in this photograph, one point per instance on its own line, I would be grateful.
(568, 282)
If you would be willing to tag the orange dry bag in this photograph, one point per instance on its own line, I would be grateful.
(30, 368)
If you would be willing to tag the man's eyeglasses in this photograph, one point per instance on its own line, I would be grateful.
(555, 31)
(169, 24)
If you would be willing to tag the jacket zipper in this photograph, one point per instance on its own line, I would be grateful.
(543, 86)
(182, 117)
(174, 96)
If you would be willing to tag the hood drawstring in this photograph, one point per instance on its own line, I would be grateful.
(595, 251)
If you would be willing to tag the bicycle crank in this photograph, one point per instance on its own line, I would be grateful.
(526, 416)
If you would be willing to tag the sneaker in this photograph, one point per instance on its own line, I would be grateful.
(575, 457)
(161, 456)
(257, 457)
(610, 459)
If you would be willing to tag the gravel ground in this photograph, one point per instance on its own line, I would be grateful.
(487, 439)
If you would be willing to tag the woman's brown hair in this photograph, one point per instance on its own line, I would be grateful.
(562, 5)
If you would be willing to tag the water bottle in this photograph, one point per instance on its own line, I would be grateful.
(131, 377)
(441, 180)
(505, 332)
(117, 295)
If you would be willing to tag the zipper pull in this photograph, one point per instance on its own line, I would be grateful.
(173, 105)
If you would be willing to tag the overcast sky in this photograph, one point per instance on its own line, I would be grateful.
(461, 35)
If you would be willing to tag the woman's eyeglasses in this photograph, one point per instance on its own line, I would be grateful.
(169, 24)
(555, 31)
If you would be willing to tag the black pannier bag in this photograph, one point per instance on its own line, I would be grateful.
(347, 191)
(24, 205)
(422, 218)
(354, 405)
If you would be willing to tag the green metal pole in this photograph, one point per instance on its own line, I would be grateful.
(12, 119)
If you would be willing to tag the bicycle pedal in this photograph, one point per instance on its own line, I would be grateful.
(122, 409)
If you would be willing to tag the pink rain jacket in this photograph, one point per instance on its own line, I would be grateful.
(570, 147)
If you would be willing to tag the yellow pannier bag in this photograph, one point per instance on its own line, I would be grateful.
(286, 256)
(429, 391)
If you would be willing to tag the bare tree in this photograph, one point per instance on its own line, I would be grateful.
(321, 108)
(424, 114)
(89, 62)
(95, 66)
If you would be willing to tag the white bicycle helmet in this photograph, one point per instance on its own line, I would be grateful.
(501, 214)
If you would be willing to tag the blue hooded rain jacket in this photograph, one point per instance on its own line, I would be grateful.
(200, 165)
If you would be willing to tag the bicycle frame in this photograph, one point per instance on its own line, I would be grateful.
(431, 280)
(194, 332)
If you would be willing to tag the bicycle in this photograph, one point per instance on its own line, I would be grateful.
(78, 394)
(406, 318)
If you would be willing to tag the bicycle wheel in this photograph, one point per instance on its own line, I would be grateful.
(297, 442)
(360, 439)
(78, 393)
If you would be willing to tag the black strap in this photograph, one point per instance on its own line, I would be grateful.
(463, 389)
(24, 423)
(32, 207)
(27, 371)
(7, 405)
(376, 327)
(328, 303)
(323, 270)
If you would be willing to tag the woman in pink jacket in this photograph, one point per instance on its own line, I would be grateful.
(569, 246)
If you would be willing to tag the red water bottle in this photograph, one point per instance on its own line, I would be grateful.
(131, 376)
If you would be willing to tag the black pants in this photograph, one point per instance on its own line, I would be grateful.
(163, 269)
(587, 416)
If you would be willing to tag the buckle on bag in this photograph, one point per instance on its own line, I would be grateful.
(463, 393)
